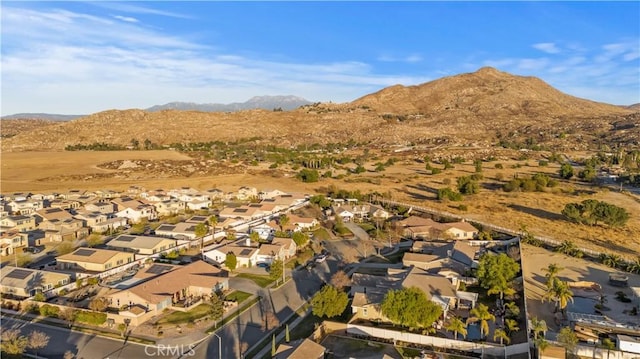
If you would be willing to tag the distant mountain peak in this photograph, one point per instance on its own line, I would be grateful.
(257, 102)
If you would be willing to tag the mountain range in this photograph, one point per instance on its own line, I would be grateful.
(473, 110)
(284, 103)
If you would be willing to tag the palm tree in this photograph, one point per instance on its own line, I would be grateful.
(481, 314)
(541, 344)
(563, 294)
(502, 335)
(213, 222)
(634, 267)
(538, 326)
(552, 273)
(456, 326)
(511, 325)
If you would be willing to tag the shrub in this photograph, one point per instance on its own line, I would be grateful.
(499, 166)
(92, 281)
(49, 311)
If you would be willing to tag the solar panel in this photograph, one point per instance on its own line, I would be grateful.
(166, 227)
(240, 210)
(84, 252)
(158, 268)
(245, 252)
(191, 229)
(126, 238)
(198, 218)
(19, 274)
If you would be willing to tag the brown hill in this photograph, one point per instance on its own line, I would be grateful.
(12, 127)
(467, 109)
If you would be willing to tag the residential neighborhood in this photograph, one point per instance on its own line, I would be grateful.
(148, 259)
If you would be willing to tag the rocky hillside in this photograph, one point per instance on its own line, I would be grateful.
(474, 109)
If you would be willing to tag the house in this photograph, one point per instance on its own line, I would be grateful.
(268, 253)
(344, 214)
(24, 206)
(142, 245)
(289, 247)
(246, 193)
(438, 289)
(106, 208)
(270, 193)
(100, 222)
(198, 219)
(67, 204)
(419, 260)
(181, 230)
(58, 225)
(303, 223)
(245, 213)
(378, 213)
(177, 288)
(134, 210)
(24, 282)
(94, 259)
(18, 223)
(168, 207)
(9, 241)
(52, 214)
(300, 349)
(628, 343)
(264, 231)
(246, 256)
(425, 228)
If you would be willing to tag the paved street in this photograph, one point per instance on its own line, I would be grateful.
(88, 346)
(248, 327)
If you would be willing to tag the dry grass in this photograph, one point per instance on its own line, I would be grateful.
(406, 180)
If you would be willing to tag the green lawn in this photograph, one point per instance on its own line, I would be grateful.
(305, 328)
(176, 317)
(261, 280)
(408, 352)
(238, 296)
(321, 234)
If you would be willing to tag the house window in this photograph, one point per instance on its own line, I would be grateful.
(107, 266)
(365, 312)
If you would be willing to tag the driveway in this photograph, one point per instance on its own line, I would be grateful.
(357, 230)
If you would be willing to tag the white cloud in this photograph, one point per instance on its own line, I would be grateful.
(65, 62)
(137, 9)
(414, 58)
(548, 47)
(126, 18)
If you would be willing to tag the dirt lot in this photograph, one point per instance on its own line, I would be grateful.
(535, 259)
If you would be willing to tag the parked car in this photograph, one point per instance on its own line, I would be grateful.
(321, 258)
(33, 250)
(263, 265)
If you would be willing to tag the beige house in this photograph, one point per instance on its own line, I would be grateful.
(303, 223)
(93, 259)
(182, 230)
(18, 223)
(134, 210)
(142, 245)
(10, 241)
(100, 222)
(242, 212)
(168, 207)
(300, 349)
(102, 207)
(177, 288)
(268, 253)
(288, 245)
(24, 206)
(425, 228)
(246, 256)
(23, 282)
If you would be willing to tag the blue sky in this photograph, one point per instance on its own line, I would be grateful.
(84, 57)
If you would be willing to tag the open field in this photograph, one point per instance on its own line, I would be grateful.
(406, 180)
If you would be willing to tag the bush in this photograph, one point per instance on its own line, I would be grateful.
(499, 166)
(463, 207)
(49, 311)
(92, 281)
(543, 163)
(447, 193)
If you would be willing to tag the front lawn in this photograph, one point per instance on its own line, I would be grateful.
(321, 234)
(176, 317)
(261, 280)
(238, 296)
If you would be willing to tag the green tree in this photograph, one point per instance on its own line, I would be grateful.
(566, 171)
(217, 308)
(485, 236)
(39, 297)
(482, 315)
(283, 220)
(300, 238)
(456, 326)
(65, 247)
(411, 308)
(560, 293)
(552, 274)
(308, 175)
(496, 274)
(94, 239)
(277, 268)
(13, 343)
(254, 237)
(568, 338)
(511, 325)
(467, 186)
(231, 261)
(99, 304)
(329, 302)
